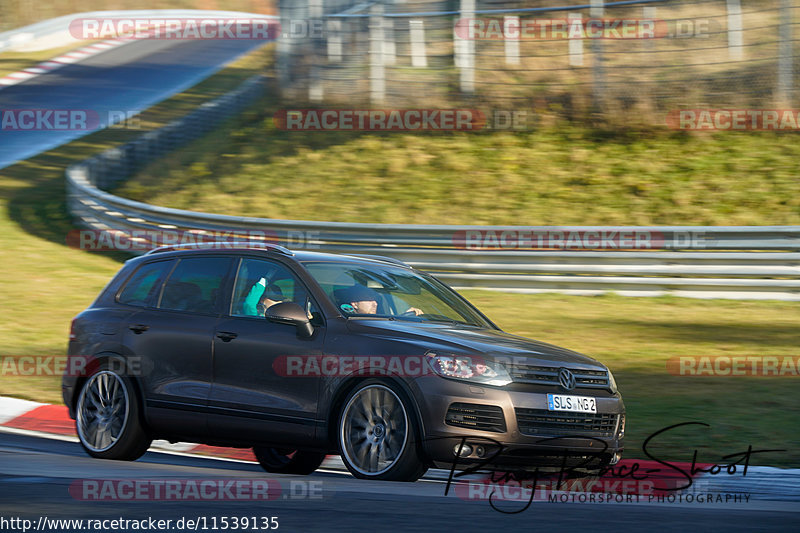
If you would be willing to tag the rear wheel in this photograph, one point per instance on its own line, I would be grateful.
(287, 461)
(108, 419)
(378, 434)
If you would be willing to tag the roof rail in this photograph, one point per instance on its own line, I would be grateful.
(223, 245)
(381, 258)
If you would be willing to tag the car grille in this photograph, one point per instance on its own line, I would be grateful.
(540, 422)
(475, 416)
(548, 375)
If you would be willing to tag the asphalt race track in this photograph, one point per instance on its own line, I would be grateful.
(36, 475)
(125, 79)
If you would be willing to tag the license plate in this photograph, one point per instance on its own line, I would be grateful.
(565, 402)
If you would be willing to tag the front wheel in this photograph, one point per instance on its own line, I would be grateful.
(285, 461)
(378, 435)
(108, 420)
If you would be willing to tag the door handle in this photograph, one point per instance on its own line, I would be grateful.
(138, 328)
(227, 336)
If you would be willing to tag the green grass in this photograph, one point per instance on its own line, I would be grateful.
(562, 173)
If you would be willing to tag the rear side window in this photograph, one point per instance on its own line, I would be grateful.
(141, 288)
(195, 285)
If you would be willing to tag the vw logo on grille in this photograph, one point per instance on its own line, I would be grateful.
(566, 379)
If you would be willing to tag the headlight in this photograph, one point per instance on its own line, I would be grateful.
(468, 368)
(612, 383)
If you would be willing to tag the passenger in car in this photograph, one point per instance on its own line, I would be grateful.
(262, 296)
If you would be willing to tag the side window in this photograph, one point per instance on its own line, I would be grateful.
(144, 284)
(261, 284)
(195, 285)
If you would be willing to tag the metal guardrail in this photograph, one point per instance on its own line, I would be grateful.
(758, 262)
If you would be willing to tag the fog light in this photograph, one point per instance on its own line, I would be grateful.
(480, 451)
(466, 450)
(615, 459)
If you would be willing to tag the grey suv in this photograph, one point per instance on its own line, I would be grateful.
(301, 354)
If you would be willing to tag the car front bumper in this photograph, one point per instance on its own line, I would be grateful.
(582, 441)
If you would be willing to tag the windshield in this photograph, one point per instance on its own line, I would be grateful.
(383, 291)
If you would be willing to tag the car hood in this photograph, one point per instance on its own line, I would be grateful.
(489, 343)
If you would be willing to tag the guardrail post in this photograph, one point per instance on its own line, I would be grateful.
(511, 37)
(416, 29)
(735, 38)
(785, 89)
(377, 71)
(575, 41)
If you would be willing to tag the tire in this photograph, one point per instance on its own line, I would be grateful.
(286, 461)
(108, 418)
(379, 434)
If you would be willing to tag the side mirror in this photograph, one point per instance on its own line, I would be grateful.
(292, 314)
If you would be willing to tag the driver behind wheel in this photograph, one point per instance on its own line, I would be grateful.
(359, 299)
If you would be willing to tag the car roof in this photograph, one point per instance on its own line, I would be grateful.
(272, 250)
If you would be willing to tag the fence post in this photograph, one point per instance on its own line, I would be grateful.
(460, 41)
(377, 72)
(417, 34)
(649, 14)
(334, 30)
(467, 70)
(575, 42)
(315, 80)
(284, 51)
(512, 43)
(735, 39)
(785, 87)
(596, 12)
(389, 49)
